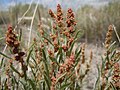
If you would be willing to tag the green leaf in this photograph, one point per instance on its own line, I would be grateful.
(34, 59)
(54, 60)
(43, 86)
(76, 50)
(71, 47)
(5, 55)
(44, 55)
(28, 57)
(5, 84)
(32, 84)
(97, 83)
(24, 85)
(76, 36)
(65, 86)
(69, 76)
(31, 47)
(60, 58)
(47, 79)
(15, 70)
(61, 77)
(103, 63)
(114, 52)
(20, 34)
(48, 41)
(109, 75)
(113, 87)
(78, 54)
(59, 52)
(14, 79)
(1, 62)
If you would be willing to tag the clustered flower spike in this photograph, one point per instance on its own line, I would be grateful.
(11, 41)
(63, 26)
(52, 14)
(108, 37)
(65, 67)
(83, 54)
(40, 29)
(59, 13)
(116, 75)
(70, 20)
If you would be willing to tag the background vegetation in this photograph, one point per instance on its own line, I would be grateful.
(92, 21)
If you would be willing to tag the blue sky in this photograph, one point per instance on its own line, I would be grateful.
(52, 3)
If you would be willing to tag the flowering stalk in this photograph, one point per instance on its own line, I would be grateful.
(14, 44)
(109, 64)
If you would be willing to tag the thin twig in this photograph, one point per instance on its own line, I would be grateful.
(2, 38)
(24, 15)
(112, 44)
(116, 33)
(32, 23)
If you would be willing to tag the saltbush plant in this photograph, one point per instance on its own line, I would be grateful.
(53, 61)
(109, 71)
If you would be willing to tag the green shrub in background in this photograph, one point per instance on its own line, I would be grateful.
(94, 21)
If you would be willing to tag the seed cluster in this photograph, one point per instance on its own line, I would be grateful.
(83, 54)
(66, 28)
(64, 68)
(11, 41)
(108, 37)
(110, 61)
(83, 66)
(116, 75)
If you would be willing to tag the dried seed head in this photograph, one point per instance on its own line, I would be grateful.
(65, 48)
(11, 39)
(53, 37)
(91, 56)
(52, 14)
(55, 43)
(46, 41)
(70, 40)
(116, 75)
(61, 39)
(108, 37)
(59, 13)
(40, 29)
(21, 54)
(51, 54)
(67, 34)
(15, 50)
(70, 18)
(83, 53)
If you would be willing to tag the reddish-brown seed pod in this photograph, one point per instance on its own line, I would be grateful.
(52, 14)
(16, 44)
(17, 57)
(50, 53)
(15, 50)
(65, 48)
(21, 53)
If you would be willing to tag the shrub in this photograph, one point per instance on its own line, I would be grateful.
(53, 62)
